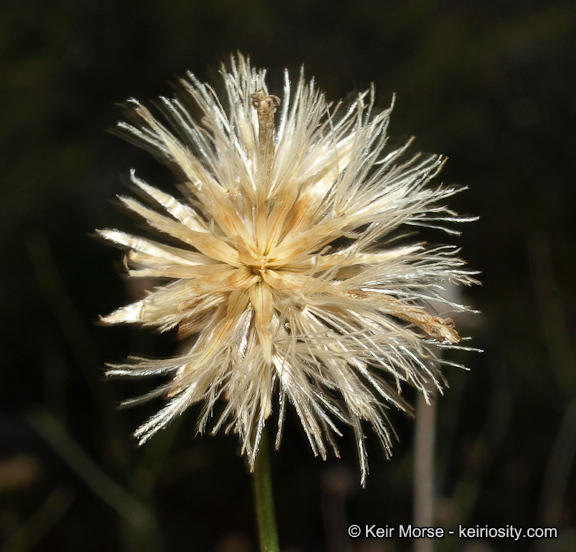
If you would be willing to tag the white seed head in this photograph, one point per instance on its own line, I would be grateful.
(288, 282)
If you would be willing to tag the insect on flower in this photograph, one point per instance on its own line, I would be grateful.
(289, 284)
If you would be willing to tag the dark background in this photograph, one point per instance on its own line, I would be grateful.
(490, 84)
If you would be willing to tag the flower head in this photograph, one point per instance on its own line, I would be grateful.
(288, 281)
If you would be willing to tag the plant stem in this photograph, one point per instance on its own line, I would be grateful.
(264, 502)
(424, 469)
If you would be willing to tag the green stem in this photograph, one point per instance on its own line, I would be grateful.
(264, 502)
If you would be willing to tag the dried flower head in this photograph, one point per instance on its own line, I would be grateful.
(288, 279)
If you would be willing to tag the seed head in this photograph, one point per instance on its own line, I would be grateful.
(290, 282)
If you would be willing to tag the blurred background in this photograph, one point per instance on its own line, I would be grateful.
(490, 84)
